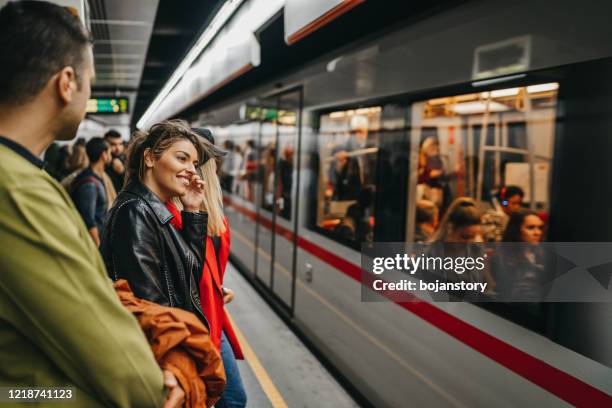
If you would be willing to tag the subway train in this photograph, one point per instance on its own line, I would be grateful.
(518, 93)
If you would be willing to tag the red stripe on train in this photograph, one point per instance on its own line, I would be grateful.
(553, 380)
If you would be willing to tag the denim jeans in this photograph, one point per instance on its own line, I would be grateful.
(234, 395)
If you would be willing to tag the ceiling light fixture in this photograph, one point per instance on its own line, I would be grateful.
(219, 20)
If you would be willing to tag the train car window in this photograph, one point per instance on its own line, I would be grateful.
(494, 147)
(348, 149)
(239, 169)
(491, 150)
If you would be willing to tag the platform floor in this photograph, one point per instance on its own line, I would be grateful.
(279, 371)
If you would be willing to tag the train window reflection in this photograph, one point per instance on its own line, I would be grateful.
(238, 172)
(348, 147)
(492, 147)
(277, 168)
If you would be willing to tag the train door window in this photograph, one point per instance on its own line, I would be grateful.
(287, 139)
(277, 153)
(265, 168)
(485, 146)
(240, 166)
(348, 148)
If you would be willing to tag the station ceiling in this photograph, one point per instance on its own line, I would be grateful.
(177, 25)
(139, 43)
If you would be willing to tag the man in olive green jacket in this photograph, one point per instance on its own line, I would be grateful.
(61, 324)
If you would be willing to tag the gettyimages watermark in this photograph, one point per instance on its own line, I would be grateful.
(487, 272)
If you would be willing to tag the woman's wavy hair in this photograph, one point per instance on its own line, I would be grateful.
(157, 139)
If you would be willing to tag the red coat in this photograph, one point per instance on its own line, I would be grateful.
(211, 294)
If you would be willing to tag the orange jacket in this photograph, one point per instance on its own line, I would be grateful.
(180, 344)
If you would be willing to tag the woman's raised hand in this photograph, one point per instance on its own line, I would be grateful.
(193, 197)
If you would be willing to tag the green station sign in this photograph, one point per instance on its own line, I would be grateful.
(107, 105)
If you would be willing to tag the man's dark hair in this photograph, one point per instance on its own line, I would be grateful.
(112, 134)
(510, 191)
(95, 147)
(37, 40)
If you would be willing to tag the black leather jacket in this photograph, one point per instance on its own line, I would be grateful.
(161, 264)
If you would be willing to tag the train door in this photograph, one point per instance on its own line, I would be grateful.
(277, 208)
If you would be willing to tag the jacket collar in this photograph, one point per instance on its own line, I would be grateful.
(159, 208)
(22, 151)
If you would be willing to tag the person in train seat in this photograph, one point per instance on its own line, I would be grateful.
(213, 295)
(63, 325)
(461, 223)
(348, 225)
(88, 190)
(427, 218)
(519, 269)
(431, 172)
(356, 225)
(459, 228)
(508, 200)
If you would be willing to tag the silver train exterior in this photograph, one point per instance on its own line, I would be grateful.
(436, 354)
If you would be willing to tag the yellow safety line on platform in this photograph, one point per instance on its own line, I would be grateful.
(276, 399)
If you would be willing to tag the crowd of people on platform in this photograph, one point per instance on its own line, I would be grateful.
(92, 172)
(150, 218)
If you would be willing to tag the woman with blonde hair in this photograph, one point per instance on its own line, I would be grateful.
(213, 295)
(461, 223)
(460, 227)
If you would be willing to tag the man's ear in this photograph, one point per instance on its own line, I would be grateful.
(66, 84)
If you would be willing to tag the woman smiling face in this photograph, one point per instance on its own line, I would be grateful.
(171, 174)
(532, 229)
